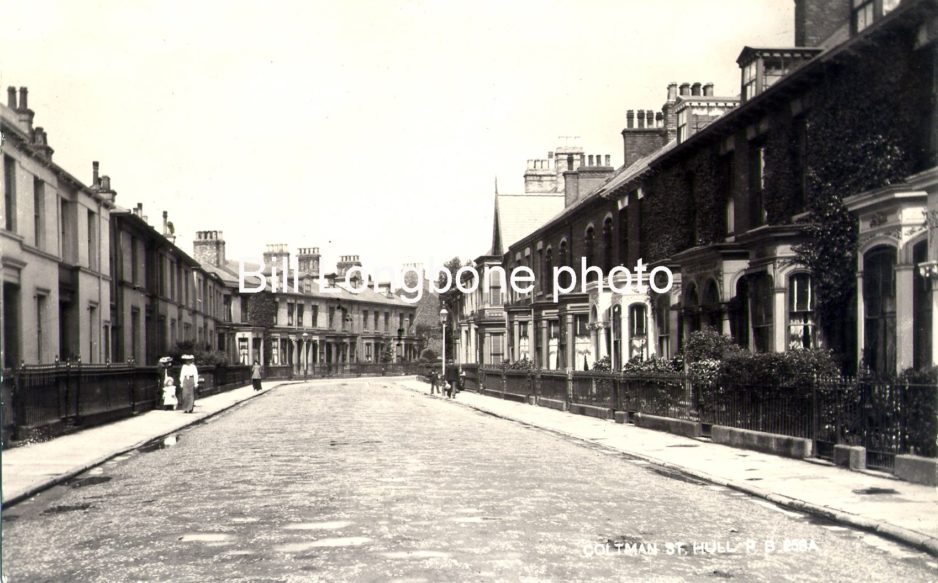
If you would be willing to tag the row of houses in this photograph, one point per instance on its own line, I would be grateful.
(85, 280)
(800, 211)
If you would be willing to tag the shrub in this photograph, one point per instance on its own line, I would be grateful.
(708, 345)
(604, 364)
(523, 364)
(653, 364)
(428, 355)
(794, 368)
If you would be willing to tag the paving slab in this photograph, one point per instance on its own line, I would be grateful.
(899, 510)
(31, 468)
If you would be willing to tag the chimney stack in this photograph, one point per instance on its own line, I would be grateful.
(818, 20)
(653, 129)
(11, 98)
(276, 255)
(209, 248)
(308, 260)
(25, 115)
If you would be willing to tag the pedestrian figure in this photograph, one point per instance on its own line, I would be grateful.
(256, 376)
(169, 394)
(451, 377)
(434, 379)
(188, 378)
(170, 398)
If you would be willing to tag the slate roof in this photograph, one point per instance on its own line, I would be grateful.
(517, 215)
(229, 274)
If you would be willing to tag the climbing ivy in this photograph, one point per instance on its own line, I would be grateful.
(861, 127)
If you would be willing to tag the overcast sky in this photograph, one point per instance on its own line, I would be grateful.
(370, 128)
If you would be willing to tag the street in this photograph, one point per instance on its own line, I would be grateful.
(359, 480)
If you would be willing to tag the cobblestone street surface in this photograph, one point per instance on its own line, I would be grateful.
(360, 480)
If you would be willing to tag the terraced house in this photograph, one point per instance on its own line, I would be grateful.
(799, 213)
(54, 249)
(305, 327)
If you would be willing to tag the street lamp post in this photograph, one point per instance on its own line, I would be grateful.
(443, 314)
(305, 355)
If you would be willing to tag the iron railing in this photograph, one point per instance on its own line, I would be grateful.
(886, 416)
(44, 400)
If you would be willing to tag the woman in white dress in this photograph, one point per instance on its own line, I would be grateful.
(188, 378)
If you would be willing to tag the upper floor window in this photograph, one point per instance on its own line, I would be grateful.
(750, 76)
(589, 251)
(757, 214)
(547, 276)
(607, 245)
(9, 194)
(863, 11)
(681, 125)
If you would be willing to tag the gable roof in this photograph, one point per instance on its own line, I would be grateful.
(516, 215)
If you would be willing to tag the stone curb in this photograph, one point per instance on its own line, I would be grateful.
(56, 480)
(885, 529)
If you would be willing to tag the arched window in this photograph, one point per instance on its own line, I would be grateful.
(589, 251)
(921, 311)
(760, 308)
(711, 311)
(739, 313)
(879, 300)
(692, 309)
(564, 261)
(607, 245)
(548, 274)
(801, 333)
(663, 325)
(638, 331)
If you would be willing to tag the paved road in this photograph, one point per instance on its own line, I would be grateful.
(362, 481)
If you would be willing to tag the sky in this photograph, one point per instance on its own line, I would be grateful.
(374, 128)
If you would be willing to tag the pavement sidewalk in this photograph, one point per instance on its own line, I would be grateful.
(871, 501)
(31, 468)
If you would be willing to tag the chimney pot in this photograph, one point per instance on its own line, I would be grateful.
(95, 181)
(641, 119)
(650, 118)
(672, 91)
(11, 97)
(608, 160)
(685, 89)
(708, 90)
(630, 118)
(24, 105)
(695, 89)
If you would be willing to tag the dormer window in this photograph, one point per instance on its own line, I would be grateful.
(682, 126)
(749, 80)
(862, 14)
(761, 68)
(865, 12)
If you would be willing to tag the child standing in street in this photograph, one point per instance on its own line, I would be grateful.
(169, 394)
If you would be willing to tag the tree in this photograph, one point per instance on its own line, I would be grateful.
(387, 353)
(262, 313)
